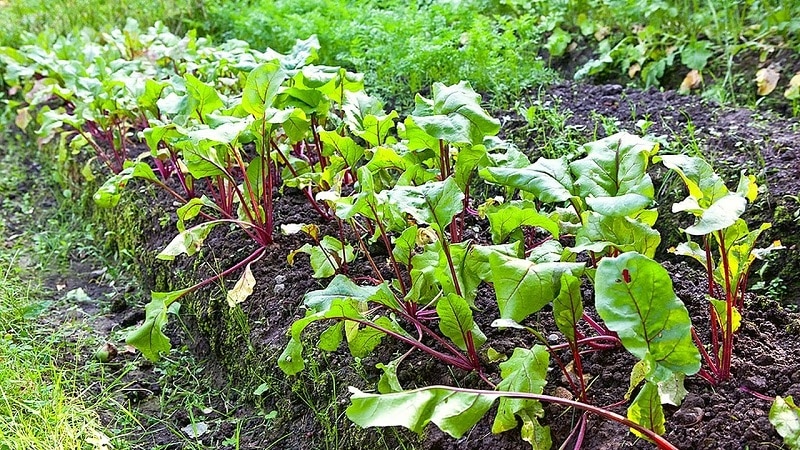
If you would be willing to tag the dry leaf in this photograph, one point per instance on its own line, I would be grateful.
(242, 289)
(634, 69)
(692, 80)
(602, 33)
(766, 80)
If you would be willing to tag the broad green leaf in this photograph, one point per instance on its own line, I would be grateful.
(453, 412)
(719, 215)
(242, 289)
(613, 176)
(548, 251)
(188, 241)
(506, 218)
(456, 322)
(568, 306)
(704, 185)
(203, 99)
(525, 371)
(522, 287)
(634, 297)
(692, 250)
(646, 410)
(548, 179)
(340, 288)
(467, 160)
(362, 340)
(345, 147)
(696, 54)
(638, 374)
(262, 88)
(432, 203)
(375, 129)
(190, 210)
(404, 245)
(455, 115)
(599, 233)
(149, 338)
(331, 338)
(785, 417)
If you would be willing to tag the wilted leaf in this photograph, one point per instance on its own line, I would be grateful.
(766, 80)
(693, 80)
(242, 289)
(793, 91)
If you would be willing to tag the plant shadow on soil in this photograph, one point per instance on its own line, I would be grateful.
(241, 346)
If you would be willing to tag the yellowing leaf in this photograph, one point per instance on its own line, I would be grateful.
(242, 289)
(793, 91)
(693, 80)
(766, 80)
(634, 69)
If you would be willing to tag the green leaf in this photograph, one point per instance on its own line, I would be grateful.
(696, 55)
(720, 307)
(568, 306)
(361, 340)
(456, 115)
(109, 194)
(453, 412)
(343, 146)
(389, 382)
(340, 288)
(705, 186)
(634, 297)
(404, 245)
(456, 322)
(557, 43)
(525, 371)
(326, 258)
(522, 287)
(548, 179)
(375, 129)
(433, 203)
(262, 88)
(331, 338)
(646, 410)
(203, 99)
(719, 215)
(189, 241)
(506, 218)
(785, 417)
(613, 176)
(600, 233)
(149, 338)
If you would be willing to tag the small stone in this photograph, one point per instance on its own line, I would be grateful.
(280, 279)
(764, 360)
(688, 416)
(756, 383)
(552, 337)
(280, 287)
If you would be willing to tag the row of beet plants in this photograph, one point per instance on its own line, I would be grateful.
(227, 129)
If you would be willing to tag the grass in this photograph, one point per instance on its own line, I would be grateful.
(41, 404)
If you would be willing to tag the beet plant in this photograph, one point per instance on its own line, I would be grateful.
(727, 250)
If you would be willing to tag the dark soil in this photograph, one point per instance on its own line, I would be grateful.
(309, 409)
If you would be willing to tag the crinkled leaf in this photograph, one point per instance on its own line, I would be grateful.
(613, 176)
(525, 371)
(785, 417)
(601, 232)
(634, 297)
(433, 203)
(453, 412)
